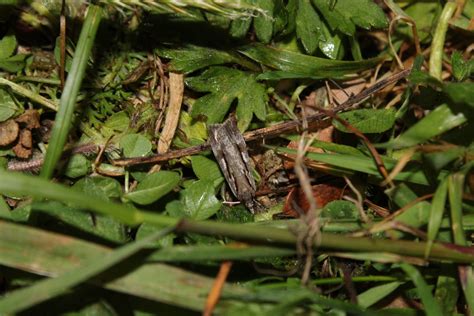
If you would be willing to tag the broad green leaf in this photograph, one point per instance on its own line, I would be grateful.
(135, 145)
(425, 14)
(340, 210)
(227, 85)
(436, 214)
(368, 120)
(77, 166)
(376, 293)
(240, 27)
(206, 169)
(431, 306)
(118, 122)
(416, 215)
(147, 229)
(104, 188)
(332, 45)
(13, 63)
(437, 122)
(347, 14)
(199, 200)
(46, 289)
(294, 65)
(7, 46)
(308, 26)
(190, 58)
(447, 292)
(438, 160)
(461, 93)
(7, 105)
(153, 187)
(68, 219)
(263, 22)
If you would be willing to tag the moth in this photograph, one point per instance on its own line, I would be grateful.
(230, 150)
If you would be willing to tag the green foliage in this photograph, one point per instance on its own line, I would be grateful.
(153, 187)
(227, 85)
(8, 61)
(199, 201)
(368, 120)
(135, 145)
(8, 107)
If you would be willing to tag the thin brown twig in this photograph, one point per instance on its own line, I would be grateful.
(315, 121)
(216, 290)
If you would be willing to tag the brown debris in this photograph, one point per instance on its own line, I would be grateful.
(30, 119)
(8, 132)
(23, 148)
(323, 194)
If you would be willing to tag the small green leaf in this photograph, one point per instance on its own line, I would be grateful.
(340, 210)
(436, 214)
(206, 169)
(460, 93)
(8, 106)
(461, 68)
(7, 46)
(240, 27)
(199, 200)
(118, 122)
(347, 14)
(153, 187)
(308, 26)
(368, 120)
(226, 85)
(13, 63)
(135, 145)
(438, 121)
(263, 22)
(77, 166)
(147, 229)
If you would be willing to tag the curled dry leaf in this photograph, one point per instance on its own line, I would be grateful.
(29, 120)
(8, 132)
(23, 148)
(323, 193)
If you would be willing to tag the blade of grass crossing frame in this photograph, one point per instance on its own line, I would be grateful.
(436, 214)
(67, 103)
(43, 290)
(431, 306)
(455, 191)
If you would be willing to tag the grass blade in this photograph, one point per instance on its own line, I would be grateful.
(436, 214)
(67, 103)
(431, 306)
(43, 290)
(375, 294)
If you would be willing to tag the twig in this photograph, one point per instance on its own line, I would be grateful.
(216, 290)
(314, 121)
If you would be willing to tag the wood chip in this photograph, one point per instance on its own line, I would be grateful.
(9, 131)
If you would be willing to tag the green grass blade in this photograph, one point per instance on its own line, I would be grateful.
(51, 254)
(375, 294)
(62, 123)
(43, 290)
(455, 191)
(431, 306)
(365, 165)
(436, 214)
(19, 90)
(294, 65)
(437, 122)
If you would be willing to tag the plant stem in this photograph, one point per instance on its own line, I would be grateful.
(67, 103)
(436, 56)
(17, 89)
